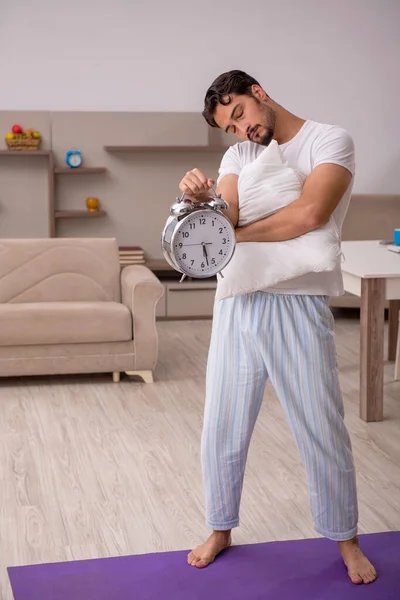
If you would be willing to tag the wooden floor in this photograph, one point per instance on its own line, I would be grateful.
(90, 468)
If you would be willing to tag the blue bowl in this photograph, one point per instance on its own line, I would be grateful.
(397, 237)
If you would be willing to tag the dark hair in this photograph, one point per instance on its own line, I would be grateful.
(232, 82)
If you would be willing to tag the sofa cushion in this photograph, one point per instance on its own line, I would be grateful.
(64, 323)
(59, 270)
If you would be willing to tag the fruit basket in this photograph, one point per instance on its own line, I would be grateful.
(23, 144)
(18, 139)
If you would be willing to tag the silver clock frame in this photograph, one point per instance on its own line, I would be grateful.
(180, 211)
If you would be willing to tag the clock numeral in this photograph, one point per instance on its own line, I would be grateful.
(185, 234)
(213, 223)
(202, 265)
(202, 221)
(221, 229)
(213, 261)
(192, 225)
(180, 244)
(184, 255)
(220, 252)
(224, 240)
(192, 262)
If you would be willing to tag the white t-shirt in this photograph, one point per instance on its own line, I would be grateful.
(313, 145)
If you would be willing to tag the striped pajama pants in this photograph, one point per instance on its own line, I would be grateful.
(290, 339)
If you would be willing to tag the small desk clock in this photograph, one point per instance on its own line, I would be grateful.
(198, 240)
(73, 158)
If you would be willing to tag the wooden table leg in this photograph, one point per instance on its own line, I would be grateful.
(394, 309)
(372, 321)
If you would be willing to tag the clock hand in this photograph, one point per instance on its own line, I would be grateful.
(205, 253)
(202, 244)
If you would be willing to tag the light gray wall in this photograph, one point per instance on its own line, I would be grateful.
(24, 181)
(136, 191)
(333, 61)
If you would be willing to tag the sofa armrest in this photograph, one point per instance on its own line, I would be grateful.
(141, 290)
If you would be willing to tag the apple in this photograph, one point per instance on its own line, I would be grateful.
(17, 129)
(36, 135)
(10, 136)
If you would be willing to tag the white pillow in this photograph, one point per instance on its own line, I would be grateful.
(266, 185)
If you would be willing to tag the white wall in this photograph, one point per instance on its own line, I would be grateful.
(335, 61)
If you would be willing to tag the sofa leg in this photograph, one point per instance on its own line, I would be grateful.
(147, 376)
(116, 376)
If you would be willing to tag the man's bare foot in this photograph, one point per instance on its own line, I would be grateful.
(359, 568)
(205, 554)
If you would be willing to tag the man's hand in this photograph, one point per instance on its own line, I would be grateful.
(196, 185)
(322, 192)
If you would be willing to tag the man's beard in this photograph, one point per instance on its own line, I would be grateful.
(267, 125)
(266, 139)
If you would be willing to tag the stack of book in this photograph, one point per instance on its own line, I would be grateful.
(131, 255)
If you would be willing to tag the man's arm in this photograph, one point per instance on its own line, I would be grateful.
(322, 192)
(197, 187)
(228, 188)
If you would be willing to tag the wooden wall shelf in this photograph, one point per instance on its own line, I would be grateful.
(165, 148)
(78, 214)
(79, 170)
(54, 214)
(52, 171)
(25, 152)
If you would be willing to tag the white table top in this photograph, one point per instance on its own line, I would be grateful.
(369, 259)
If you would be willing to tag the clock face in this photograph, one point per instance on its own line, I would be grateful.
(203, 243)
(75, 160)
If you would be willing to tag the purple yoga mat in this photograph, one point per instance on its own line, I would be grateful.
(294, 570)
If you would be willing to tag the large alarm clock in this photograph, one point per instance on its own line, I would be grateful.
(198, 240)
(73, 158)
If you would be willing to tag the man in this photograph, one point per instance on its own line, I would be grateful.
(285, 333)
